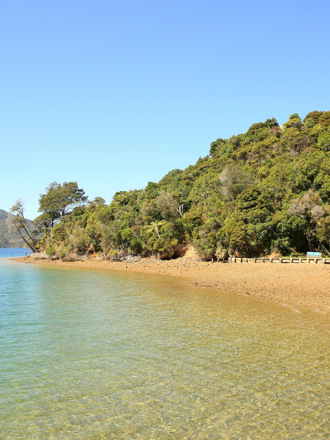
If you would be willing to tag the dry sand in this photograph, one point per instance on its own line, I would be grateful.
(302, 286)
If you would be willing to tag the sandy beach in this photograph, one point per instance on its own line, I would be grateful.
(301, 286)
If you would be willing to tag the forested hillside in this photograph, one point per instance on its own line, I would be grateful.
(9, 237)
(263, 191)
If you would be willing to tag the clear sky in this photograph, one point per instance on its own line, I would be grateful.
(113, 94)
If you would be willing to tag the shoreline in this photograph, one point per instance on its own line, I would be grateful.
(303, 287)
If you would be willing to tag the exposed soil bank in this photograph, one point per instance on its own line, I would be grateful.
(302, 286)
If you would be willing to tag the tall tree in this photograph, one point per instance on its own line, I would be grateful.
(30, 237)
(59, 200)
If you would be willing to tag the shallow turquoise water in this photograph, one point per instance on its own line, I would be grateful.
(94, 355)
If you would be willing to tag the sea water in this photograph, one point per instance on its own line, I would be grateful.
(95, 355)
(14, 252)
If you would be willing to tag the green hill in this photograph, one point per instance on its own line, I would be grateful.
(264, 191)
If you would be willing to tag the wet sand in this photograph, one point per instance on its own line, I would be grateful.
(301, 286)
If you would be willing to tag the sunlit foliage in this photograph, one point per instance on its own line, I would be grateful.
(263, 191)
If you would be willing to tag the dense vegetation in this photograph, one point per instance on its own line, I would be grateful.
(255, 193)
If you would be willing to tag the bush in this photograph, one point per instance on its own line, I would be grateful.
(50, 250)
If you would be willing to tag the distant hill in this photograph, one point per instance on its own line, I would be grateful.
(9, 238)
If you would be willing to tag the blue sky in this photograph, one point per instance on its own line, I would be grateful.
(113, 94)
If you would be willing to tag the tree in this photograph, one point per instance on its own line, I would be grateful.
(155, 227)
(168, 206)
(98, 201)
(22, 226)
(323, 233)
(294, 121)
(234, 179)
(58, 201)
(312, 118)
(308, 207)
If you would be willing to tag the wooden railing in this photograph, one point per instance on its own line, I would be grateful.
(280, 260)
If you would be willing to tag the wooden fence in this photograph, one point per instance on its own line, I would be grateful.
(280, 260)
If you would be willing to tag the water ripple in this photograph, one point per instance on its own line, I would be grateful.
(87, 355)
